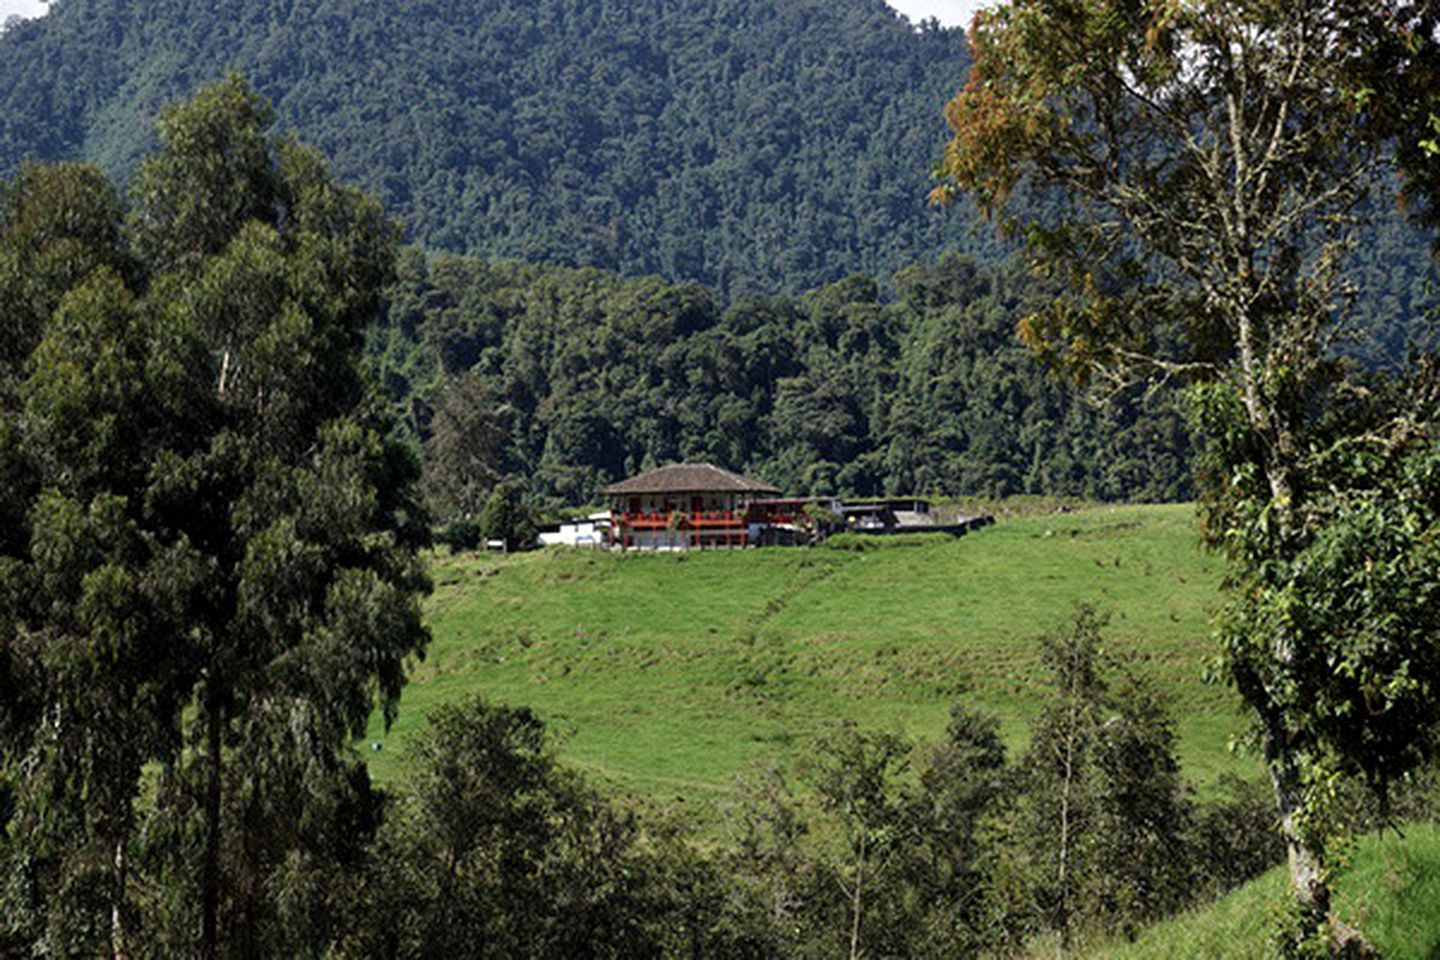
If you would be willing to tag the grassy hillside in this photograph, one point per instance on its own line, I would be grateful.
(668, 674)
(1391, 891)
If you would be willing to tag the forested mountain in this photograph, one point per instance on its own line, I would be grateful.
(739, 153)
(752, 145)
(572, 378)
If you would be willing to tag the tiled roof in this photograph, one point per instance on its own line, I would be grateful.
(688, 478)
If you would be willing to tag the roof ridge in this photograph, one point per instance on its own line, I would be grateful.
(688, 478)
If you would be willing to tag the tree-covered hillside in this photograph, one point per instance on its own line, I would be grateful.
(752, 145)
(572, 378)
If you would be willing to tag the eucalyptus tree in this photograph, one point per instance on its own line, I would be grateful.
(465, 452)
(1215, 159)
(88, 640)
(218, 566)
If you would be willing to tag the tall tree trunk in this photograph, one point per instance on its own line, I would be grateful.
(1062, 879)
(857, 901)
(118, 949)
(1307, 874)
(210, 881)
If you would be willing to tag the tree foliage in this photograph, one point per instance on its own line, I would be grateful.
(212, 564)
(571, 379)
(893, 858)
(496, 850)
(499, 852)
(465, 449)
(1104, 825)
(1216, 158)
(508, 518)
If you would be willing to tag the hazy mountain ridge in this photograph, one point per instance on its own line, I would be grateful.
(754, 145)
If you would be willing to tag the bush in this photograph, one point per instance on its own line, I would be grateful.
(864, 543)
(507, 517)
(1236, 837)
(462, 533)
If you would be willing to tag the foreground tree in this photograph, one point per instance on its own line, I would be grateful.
(498, 851)
(855, 780)
(895, 862)
(214, 565)
(963, 783)
(89, 642)
(1215, 157)
(1101, 831)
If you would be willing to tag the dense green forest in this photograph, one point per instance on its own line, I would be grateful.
(573, 378)
(752, 145)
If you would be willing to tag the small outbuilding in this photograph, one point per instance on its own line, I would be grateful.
(591, 530)
(904, 515)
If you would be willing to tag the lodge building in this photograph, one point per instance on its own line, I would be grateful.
(699, 506)
(693, 506)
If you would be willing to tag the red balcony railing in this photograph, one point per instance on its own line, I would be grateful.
(683, 520)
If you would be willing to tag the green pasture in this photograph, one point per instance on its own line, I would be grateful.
(667, 674)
